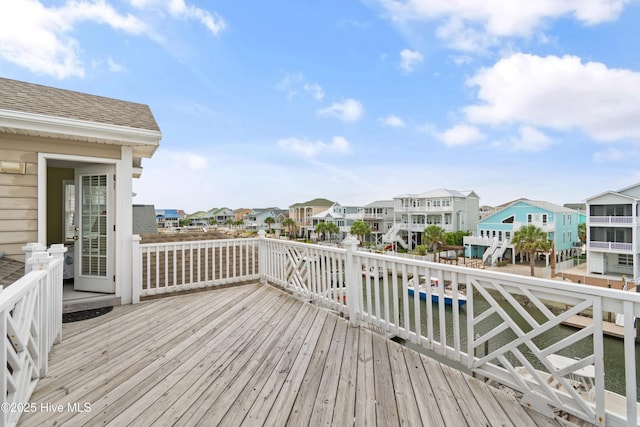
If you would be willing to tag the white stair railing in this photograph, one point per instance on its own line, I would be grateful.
(489, 252)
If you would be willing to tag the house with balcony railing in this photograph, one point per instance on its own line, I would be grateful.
(450, 209)
(303, 212)
(378, 215)
(613, 242)
(491, 241)
(342, 216)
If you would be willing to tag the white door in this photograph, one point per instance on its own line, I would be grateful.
(94, 248)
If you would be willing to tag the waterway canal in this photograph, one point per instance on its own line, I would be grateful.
(613, 347)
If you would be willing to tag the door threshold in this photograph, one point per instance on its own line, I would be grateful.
(74, 301)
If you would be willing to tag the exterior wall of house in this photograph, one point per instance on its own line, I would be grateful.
(19, 193)
(613, 230)
(561, 226)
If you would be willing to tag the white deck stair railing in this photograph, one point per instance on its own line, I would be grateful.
(30, 323)
(490, 250)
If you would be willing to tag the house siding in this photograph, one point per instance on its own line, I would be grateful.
(19, 193)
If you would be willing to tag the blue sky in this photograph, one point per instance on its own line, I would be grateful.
(273, 103)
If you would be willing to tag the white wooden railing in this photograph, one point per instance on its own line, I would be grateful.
(169, 267)
(506, 327)
(611, 220)
(30, 323)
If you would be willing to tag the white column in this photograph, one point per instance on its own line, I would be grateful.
(353, 281)
(262, 258)
(124, 226)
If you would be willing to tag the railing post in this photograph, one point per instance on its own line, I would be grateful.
(353, 281)
(136, 269)
(40, 261)
(57, 251)
(262, 256)
(29, 250)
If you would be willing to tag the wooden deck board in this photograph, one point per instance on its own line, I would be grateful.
(253, 355)
(325, 402)
(344, 410)
(408, 412)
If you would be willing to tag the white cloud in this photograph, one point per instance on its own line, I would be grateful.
(348, 110)
(393, 121)
(312, 149)
(187, 160)
(409, 59)
(41, 38)
(292, 84)
(461, 59)
(613, 155)
(113, 66)
(315, 89)
(461, 135)
(560, 93)
(470, 24)
(529, 139)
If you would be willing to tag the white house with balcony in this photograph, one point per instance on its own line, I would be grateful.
(613, 245)
(450, 209)
(342, 216)
(379, 217)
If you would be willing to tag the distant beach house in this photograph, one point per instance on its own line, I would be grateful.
(256, 219)
(379, 217)
(492, 239)
(221, 215)
(241, 213)
(168, 218)
(302, 213)
(342, 216)
(450, 209)
(613, 239)
(67, 160)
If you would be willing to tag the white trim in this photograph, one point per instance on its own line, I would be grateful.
(43, 158)
(144, 139)
(124, 226)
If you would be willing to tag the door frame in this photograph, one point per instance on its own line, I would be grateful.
(123, 211)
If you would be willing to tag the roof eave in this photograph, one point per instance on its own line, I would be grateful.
(143, 141)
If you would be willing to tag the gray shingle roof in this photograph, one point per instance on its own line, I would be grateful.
(37, 99)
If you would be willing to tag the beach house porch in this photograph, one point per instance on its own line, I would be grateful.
(305, 339)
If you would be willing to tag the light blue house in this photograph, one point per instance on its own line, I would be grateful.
(492, 240)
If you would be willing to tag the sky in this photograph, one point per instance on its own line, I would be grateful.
(271, 103)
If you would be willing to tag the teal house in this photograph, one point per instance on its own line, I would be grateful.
(492, 240)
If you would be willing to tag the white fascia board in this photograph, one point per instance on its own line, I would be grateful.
(144, 141)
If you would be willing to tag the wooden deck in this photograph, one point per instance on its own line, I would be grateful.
(252, 355)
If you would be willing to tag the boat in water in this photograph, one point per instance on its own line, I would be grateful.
(436, 290)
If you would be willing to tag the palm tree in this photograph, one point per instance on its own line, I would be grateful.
(213, 221)
(360, 229)
(291, 225)
(269, 221)
(332, 228)
(229, 222)
(582, 232)
(434, 236)
(530, 239)
(321, 228)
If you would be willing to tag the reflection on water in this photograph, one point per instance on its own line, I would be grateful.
(613, 347)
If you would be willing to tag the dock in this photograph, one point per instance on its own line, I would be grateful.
(608, 328)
